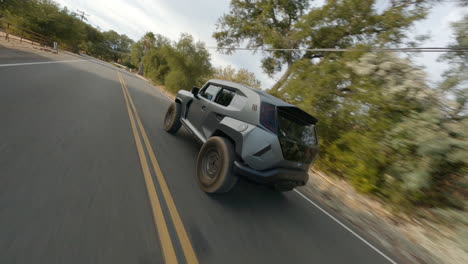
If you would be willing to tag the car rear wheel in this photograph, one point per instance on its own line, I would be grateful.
(215, 166)
(172, 118)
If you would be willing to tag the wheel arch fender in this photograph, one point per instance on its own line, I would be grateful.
(226, 130)
(184, 102)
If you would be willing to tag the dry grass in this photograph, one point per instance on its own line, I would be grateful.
(26, 46)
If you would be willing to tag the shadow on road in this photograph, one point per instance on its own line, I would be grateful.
(245, 194)
(8, 55)
(250, 195)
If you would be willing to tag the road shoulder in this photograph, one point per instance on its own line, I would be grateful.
(414, 241)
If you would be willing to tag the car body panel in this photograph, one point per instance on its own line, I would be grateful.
(196, 114)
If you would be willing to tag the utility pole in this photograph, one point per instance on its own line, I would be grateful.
(82, 14)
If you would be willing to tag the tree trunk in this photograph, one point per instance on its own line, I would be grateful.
(279, 84)
(140, 66)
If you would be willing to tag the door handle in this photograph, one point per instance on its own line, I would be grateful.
(203, 108)
(219, 117)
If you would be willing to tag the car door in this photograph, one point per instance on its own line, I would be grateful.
(198, 108)
(217, 110)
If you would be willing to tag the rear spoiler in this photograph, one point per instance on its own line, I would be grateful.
(297, 114)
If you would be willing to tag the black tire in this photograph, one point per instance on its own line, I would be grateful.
(215, 166)
(172, 118)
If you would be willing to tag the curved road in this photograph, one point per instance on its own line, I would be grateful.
(87, 175)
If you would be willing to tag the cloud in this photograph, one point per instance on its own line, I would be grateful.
(172, 17)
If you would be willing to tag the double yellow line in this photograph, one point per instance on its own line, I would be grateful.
(158, 215)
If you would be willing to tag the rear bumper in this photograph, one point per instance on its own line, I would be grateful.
(276, 177)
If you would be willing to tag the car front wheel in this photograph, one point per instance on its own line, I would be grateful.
(172, 118)
(215, 166)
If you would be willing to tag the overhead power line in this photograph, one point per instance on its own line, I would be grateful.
(424, 49)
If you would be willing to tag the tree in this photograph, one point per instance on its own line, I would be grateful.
(263, 24)
(178, 65)
(136, 53)
(147, 42)
(116, 44)
(242, 76)
(431, 146)
(357, 97)
(155, 63)
(431, 153)
(92, 40)
(355, 110)
(144, 45)
(189, 64)
(456, 78)
(292, 24)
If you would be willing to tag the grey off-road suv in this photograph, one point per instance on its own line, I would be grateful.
(245, 132)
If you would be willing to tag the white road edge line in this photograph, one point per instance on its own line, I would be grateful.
(347, 228)
(40, 62)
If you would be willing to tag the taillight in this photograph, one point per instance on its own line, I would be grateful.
(268, 116)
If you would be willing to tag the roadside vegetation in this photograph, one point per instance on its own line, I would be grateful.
(67, 28)
(181, 64)
(383, 127)
(242, 75)
(177, 65)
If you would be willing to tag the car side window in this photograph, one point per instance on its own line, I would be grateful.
(225, 97)
(210, 92)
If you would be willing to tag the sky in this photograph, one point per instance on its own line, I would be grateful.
(198, 18)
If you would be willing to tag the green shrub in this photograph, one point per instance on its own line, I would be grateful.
(156, 66)
(178, 80)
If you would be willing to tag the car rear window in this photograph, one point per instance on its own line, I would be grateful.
(295, 129)
(297, 137)
(225, 97)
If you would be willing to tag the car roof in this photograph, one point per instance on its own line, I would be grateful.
(268, 98)
(264, 96)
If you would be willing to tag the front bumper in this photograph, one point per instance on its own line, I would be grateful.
(281, 178)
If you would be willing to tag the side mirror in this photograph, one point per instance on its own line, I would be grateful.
(195, 91)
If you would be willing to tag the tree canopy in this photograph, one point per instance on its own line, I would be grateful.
(431, 145)
(178, 65)
(242, 76)
(190, 64)
(293, 24)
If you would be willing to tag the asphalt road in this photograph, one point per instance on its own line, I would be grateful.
(78, 183)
